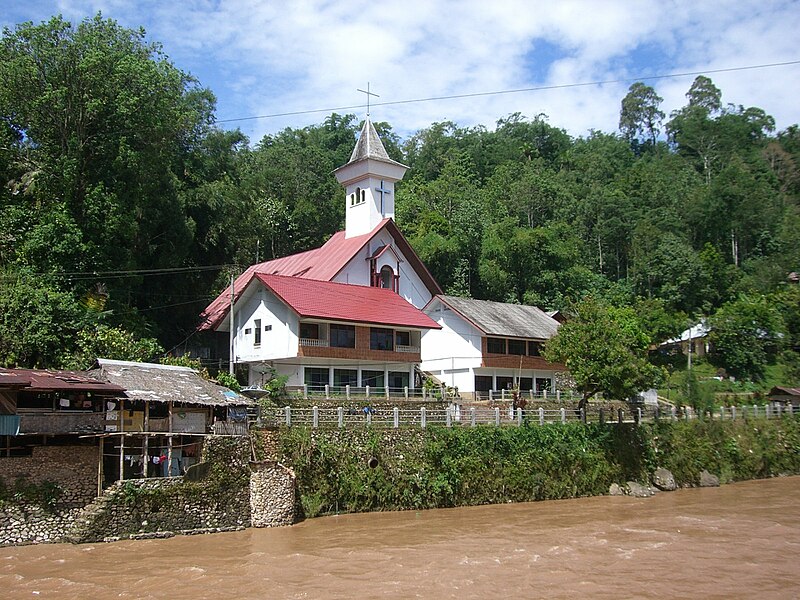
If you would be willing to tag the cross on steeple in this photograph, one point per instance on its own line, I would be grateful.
(382, 190)
(368, 93)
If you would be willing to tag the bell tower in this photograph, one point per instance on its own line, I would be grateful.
(368, 179)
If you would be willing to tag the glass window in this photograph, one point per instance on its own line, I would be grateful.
(483, 383)
(505, 383)
(309, 331)
(316, 378)
(516, 347)
(534, 348)
(398, 379)
(373, 379)
(343, 336)
(344, 377)
(387, 277)
(257, 330)
(381, 339)
(495, 345)
(525, 383)
(36, 400)
(402, 338)
(543, 384)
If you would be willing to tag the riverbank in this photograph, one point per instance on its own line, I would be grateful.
(375, 470)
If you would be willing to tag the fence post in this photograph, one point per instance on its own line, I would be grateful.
(519, 417)
(366, 392)
(497, 416)
(305, 391)
(733, 412)
(721, 413)
(558, 395)
(673, 413)
(422, 417)
(315, 417)
(583, 415)
(619, 416)
(472, 416)
(767, 410)
(387, 391)
(544, 395)
(563, 412)
(287, 415)
(541, 415)
(327, 391)
(790, 409)
(424, 392)
(755, 410)
(347, 391)
(491, 396)
(638, 415)
(340, 416)
(369, 418)
(602, 416)
(530, 393)
(396, 414)
(510, 412)
(405, 392)
(447, 417)
(503, 394)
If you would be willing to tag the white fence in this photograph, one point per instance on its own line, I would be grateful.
(456, 416)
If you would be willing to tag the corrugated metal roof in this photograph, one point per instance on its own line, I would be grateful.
(164, 383)
(501, 319)
(321, 264)
(42, 380)
(344, 302)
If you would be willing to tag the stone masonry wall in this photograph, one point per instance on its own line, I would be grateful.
(272, 494)
(72, 468)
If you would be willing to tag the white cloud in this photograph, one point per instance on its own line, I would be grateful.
(275, 57)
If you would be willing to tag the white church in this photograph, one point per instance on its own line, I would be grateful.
(363, 310)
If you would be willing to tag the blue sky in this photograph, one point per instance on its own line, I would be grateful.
(263, 57)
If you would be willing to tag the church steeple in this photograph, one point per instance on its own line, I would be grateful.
(368, 179)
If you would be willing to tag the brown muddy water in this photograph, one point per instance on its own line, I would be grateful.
(737, 541)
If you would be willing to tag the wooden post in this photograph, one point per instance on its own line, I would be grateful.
(122, 456)
(146, 442)
(169, 442)
(100, 468)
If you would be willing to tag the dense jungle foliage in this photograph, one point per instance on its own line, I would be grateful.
(124, 208)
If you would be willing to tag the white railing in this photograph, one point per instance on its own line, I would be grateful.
(313, 342)
(457, 416)
(408, 349)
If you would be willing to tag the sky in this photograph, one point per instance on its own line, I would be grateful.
(271, 57)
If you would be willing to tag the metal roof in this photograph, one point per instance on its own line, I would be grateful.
(502, 319)
(344, 302)
(321, 264)
(164, 383)
(43, 380)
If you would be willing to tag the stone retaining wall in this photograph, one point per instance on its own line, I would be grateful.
(34, 525)
(72, 468)
(272, 494)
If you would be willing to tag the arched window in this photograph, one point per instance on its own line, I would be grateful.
(387, 277)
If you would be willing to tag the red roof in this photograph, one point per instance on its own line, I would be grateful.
(334, 301)
(40, 380)
(322, 264)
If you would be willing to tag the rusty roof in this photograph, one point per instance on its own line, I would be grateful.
(45, 380)
(503, 319)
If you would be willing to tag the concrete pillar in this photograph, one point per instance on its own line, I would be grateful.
(422, 417)
(448, 417)
(287, 415)
(305, 391)
(602, 416)
(541, 416)
(519, 417)
(327, 391)
(472, 417)
(340, 416)
(405, 392)
(563, 414)
(347, 391)
(396, 415)
(497, 416)
(315, 416)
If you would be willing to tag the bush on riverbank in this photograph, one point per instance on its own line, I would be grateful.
(358, 470)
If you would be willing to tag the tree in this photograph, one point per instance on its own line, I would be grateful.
(745, 335)
(605, 350)
(640, 115)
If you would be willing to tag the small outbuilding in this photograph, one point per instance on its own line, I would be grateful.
(785, 395)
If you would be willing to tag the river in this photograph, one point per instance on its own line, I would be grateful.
(736, 541)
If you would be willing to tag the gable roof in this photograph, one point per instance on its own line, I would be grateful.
(163, 383)
(334, 301)
(321, 264)
(502, 319)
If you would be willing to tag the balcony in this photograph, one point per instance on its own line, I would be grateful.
(406, 349)
(314, 342)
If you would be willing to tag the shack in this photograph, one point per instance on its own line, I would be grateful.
(157, 428)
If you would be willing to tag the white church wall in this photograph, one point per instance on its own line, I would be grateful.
(454, 350)
(279, 326)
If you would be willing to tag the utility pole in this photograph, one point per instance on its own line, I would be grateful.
(231, 338)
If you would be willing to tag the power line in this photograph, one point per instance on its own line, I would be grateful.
(121, 274)
(516, 91)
